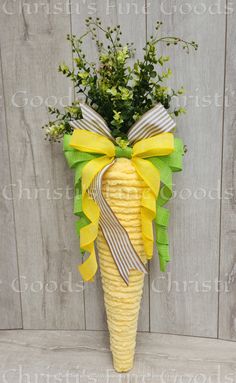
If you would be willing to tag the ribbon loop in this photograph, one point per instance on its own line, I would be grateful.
(160, 145)
(92, 121)
(91, 142)
(153, 122)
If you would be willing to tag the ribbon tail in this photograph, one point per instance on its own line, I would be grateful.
(88, 233)
(116, 236)
(151, 177)
(89, 268)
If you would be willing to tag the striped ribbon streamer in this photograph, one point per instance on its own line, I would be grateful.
(115, 234)
(152, 123)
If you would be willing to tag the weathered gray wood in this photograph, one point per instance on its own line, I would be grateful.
(10, 312)
(189, 303)
(33, 43)
(132, 19)
(71, 356)
(227, 307)
(185, 301)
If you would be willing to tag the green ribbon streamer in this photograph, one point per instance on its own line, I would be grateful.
(166, 166)
(77, 160)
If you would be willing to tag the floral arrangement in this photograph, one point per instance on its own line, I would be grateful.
(119, 92)
(118, 138)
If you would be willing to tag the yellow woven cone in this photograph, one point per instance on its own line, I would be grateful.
(122, 188)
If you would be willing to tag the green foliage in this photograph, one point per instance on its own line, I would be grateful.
(118, 91)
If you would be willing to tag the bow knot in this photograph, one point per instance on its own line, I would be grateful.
(123, 152)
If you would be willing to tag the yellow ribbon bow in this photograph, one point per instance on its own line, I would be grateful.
(90, 142)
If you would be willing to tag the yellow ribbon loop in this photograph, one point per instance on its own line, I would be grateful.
(160, 145)
(90, 142)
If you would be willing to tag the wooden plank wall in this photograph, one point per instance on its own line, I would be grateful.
(9, 286)
(227, 302)
(39, 248)
(32, 44)
(184, 304)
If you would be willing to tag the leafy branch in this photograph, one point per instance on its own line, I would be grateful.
(118, 91)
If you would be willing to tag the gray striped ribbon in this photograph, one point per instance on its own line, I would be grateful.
(153, 122)
(115, 234)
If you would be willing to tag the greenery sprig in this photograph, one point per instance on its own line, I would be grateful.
(118, 91)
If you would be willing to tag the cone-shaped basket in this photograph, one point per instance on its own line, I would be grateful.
(122, 188)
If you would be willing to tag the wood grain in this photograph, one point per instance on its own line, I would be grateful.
(10, 313)
(38, 224)
(227, 308)
(185, 301)
(132, 19)
(69, 356)
(33, 43)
